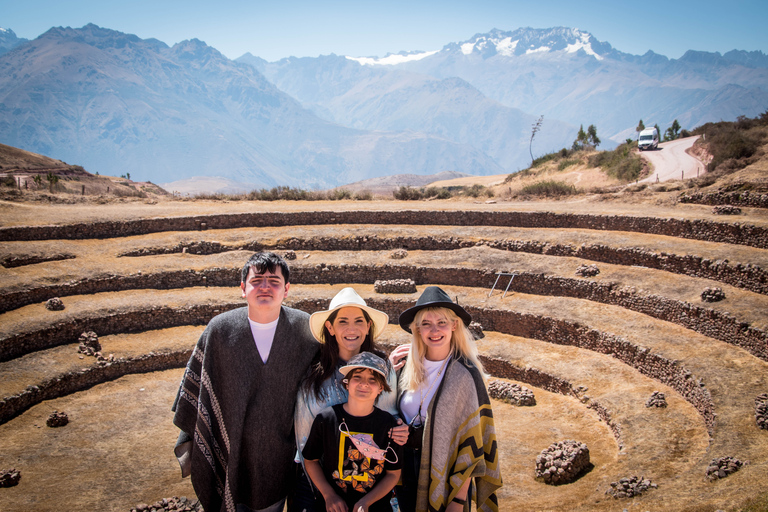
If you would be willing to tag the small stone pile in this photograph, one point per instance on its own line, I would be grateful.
(174, 504)
(726, 209)
(761, 411)
(89, 344)
(477, 330)
(57, 419)
(657, 399)
(712, 295)
(289, 255)
(398, 254)
(394, 286)
(562, 462)
(630, 487)
(9, 477)
(54, 304)
(724, 466)
(587, 270)
(511, 393)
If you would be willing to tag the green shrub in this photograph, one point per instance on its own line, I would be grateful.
(621, 163)
(549, 188)
(564, 164)
(408, 194)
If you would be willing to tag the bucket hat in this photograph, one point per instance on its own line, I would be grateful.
(367, 360)
(432, 297)
(347, 297)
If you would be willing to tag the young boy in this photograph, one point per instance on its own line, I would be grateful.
(348, 455)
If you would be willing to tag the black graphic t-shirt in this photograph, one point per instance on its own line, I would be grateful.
(344, 465)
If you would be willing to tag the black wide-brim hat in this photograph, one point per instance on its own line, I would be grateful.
(432, 297)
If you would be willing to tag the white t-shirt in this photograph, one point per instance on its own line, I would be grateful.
(409, 403)
(263, 336)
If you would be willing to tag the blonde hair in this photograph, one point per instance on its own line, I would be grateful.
(462, 346)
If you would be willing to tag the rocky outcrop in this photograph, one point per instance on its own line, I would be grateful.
(562, 462)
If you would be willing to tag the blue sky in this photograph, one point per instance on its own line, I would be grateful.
(275, 29)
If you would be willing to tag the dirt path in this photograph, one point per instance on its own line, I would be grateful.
(672, 162)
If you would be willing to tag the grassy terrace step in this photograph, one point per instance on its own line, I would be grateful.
(713, 320)
(696, 229)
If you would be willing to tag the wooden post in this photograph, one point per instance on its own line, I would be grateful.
(83, 192)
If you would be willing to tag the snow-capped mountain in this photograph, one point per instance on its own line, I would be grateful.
(9, 40)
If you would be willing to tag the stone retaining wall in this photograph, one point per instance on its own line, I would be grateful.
(74, 381)
(749, 277)
(745, 198)
(707, 321)
(697, 229)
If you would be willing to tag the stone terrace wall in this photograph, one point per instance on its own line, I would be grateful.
(745, 198)
(749, 277)
(707, 321)
(721, 232)
(72, 382)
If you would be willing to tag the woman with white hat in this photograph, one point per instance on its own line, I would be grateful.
(443, 398)
(349, 326)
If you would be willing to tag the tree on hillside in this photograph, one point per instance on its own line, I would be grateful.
(534, 129)
(640, 127)
(581, 139)
(592, 136)
(658, 130)
(673, 131)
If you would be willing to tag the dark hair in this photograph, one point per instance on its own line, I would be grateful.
(376, 375)
(325, 363)
(263, 262)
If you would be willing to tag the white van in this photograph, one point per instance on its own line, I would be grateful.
(649, 139)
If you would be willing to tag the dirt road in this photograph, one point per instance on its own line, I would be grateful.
(671, 162)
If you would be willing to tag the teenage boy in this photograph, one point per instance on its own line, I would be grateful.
(348, 455)
(235, 403)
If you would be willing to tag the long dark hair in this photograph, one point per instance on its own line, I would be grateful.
(324, 365)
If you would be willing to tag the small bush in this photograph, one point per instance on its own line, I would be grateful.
(564, 164)
(408, 194)
(621, 163)
(549, 189)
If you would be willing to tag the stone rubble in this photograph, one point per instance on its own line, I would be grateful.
(89, 344)
(726, 209)
(477, 330)
(587, 270)
(398, 254)
(394, 286)
(657, 399)
(630, 487)
(54, 304)
(57, 419)
(174, 504)
(9, 477)
(289, 255)
(712, 295)
(724, 466)
(761, 411)
(562, 462)
(511, 393)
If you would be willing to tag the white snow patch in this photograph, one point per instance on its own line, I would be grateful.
(583, 45)
(506, 46)
(467, 48)
(541, 49)
(390, 60)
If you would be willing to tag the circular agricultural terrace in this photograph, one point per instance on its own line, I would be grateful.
(605, 313)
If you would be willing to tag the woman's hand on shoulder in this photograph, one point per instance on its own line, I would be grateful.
(399, 434)
(397, 356)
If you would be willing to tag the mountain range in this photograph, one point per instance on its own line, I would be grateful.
(118, 104)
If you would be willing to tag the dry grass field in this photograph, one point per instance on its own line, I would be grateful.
(551, 327)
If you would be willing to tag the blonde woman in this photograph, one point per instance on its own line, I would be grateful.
(443, 397)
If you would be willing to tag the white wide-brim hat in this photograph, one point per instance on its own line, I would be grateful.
(347, 297)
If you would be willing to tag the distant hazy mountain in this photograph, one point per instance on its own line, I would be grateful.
(9, 40)
(565, 74)
(118, 104)
(386, 98)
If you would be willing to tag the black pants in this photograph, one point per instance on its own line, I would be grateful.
(406, 493)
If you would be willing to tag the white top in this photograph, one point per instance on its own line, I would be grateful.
(411, 400)
(263, 335)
